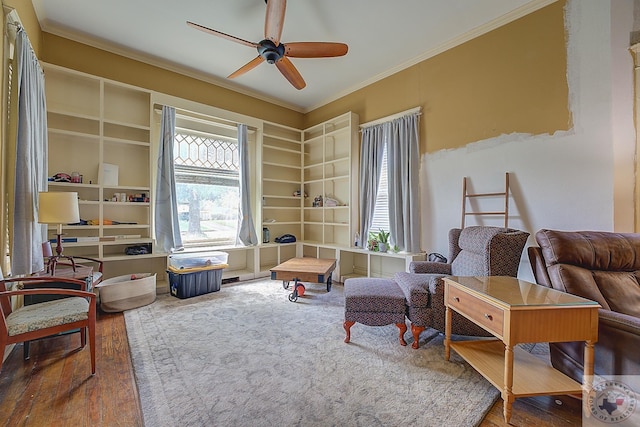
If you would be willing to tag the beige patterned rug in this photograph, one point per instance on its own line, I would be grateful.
(246, 356)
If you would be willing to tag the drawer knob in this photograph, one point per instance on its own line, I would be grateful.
(456, 299)
(488, 316)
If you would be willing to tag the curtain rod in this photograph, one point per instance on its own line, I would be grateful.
(392, 117)
(206, 134)
(202, 118)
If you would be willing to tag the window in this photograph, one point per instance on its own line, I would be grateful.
(381, 211)
(207, 186)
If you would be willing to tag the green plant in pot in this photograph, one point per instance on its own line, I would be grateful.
(372, 242)
(383, 240)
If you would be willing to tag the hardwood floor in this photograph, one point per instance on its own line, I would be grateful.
(55, 387)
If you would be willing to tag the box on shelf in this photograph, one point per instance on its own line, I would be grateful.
(126, 292)
(108, 174)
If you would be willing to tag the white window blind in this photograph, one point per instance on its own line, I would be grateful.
(381, 211)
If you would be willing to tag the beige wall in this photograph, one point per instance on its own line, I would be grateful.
(70, 54)
(512, 79)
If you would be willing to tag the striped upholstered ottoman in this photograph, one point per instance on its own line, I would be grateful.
(373, 302)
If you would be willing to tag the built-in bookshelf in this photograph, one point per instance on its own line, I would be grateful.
(99, 134)
(331, 181)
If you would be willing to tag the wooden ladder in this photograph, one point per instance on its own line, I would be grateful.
(504, 194)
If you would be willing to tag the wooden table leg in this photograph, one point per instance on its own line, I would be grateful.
(447, 332)
(587, 380)
(507, 392)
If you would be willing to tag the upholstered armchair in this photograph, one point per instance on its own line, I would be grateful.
(473, 251)
(72, 310)
(603, 267)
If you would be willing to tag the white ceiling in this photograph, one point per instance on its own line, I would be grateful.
(384, 36)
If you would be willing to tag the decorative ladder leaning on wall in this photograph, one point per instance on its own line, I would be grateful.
(504, 194)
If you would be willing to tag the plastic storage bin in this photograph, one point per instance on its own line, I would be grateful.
(126, 292)
(200, 259)
(191, 282)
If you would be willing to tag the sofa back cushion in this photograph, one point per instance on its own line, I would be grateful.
(601, 266)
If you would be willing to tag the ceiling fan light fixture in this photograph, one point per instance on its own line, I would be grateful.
(269, 51)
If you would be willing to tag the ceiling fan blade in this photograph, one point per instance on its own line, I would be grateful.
(290, 72)
(274, 20)
(221, 34)
(247, 67)
(315, 49)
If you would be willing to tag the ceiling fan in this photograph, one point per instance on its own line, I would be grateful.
(271, 50)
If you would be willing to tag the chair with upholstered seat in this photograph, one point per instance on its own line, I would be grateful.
(473, 251)
(74, 309)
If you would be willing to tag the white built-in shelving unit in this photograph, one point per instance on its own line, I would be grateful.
(94, 121)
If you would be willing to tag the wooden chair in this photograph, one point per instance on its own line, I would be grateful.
(74, 309)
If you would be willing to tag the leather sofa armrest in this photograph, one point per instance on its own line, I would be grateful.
(620, 321)
(618, 335)
(429, 267)
(538, 266)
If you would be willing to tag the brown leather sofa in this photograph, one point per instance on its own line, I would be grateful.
(603, 267)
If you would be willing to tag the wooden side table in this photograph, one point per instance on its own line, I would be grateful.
(515, 311)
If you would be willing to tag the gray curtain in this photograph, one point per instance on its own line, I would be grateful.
(403, 156)
(31, 161)
(166, 208)
(371, 151)
(246, 229)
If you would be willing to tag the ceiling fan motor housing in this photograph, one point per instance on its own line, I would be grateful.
(269, 51)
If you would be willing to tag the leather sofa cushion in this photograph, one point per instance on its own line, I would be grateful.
(621, 290)
(601, 266)
(593, 250)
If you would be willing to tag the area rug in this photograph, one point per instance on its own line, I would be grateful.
(247, 356)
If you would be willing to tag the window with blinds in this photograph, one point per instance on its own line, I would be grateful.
(381, 211)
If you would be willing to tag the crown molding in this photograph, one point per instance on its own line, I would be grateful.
(223, 83)
(166, 65)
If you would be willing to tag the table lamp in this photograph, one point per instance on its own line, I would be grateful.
(58, 208)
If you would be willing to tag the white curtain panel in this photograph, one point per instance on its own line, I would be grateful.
(371, 152)
(246, 228)
(166, 207)
(403, 157)
(31, 161)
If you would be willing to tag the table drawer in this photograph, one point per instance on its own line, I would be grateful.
(477, 310)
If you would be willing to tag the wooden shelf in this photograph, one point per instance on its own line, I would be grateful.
(532, 376)
(281, 177)
(103, 121)
(331, 170)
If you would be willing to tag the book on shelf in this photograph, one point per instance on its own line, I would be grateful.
(81, 239)
(120, 237)
(108, 174)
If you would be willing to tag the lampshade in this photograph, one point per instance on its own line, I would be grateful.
(58, 208)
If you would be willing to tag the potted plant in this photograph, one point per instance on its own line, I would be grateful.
(383, 240)
(372, 242)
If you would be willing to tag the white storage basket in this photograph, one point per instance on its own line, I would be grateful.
(127, 292)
